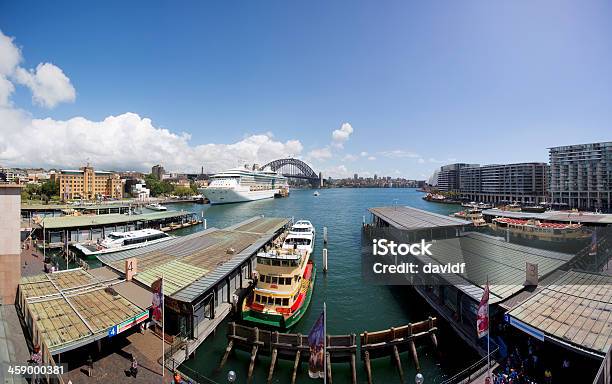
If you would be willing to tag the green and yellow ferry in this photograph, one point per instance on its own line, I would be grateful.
(285, 281)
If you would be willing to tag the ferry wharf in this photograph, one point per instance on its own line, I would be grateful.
(204, 273)
(57, 231)
(455, 297)
(99, 311)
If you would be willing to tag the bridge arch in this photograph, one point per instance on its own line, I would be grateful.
(294, 168)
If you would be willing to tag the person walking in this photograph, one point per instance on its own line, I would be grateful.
(134, 367)
(89, 366)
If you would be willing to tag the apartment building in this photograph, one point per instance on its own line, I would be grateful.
(448, 177)
(498, 183)
(581, 176)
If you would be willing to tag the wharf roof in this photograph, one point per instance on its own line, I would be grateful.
(191, 264)
(108, 219)
(490, 257)
(562, 216)
(409, 218)
(574, 310)
(72, 308)
(60, 207)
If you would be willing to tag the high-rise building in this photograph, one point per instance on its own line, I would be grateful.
(581, 176)
(355, 176)
(498, 183)
(158, 171)
(10, 244)
(448, 178)
(86, 183)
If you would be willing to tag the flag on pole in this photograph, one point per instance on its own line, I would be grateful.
(316, 342)
(482, 316)
(157, 301)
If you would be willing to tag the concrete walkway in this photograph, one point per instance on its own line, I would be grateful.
(112, 362)
(13, 346)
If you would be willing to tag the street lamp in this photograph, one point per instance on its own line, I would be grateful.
(231, 376)
(419, 379)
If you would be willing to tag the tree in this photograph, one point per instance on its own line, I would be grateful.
(183, 191)
(156, 186)
(50, 188)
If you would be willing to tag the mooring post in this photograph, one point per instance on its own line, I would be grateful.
(228, 349)
(368, 367)
(432, 332)
(329, 368)
(353, 368)
(252, 364)
(295, 365)
(415, 357)
(324, 235)
(272, 364)
(325, 260)
(398, 363)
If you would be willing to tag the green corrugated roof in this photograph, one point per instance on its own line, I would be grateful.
(113, 218)
(176, 275)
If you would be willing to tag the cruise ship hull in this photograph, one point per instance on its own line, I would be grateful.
(228, 195)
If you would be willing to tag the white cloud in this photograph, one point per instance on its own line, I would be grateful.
(399, 153)
(339, 136)
(127, 141)
(10, 55)
(48, 83)
(371, 158)
(6, 89)
(349, 157)
(336, 172)
(320, 153)
(363, 154)
(421, 160)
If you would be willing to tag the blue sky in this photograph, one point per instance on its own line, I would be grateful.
(420, 83)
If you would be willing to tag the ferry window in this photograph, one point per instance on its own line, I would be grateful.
(274, 280)
(278, 301)
(257, 298)
(286, 301)
(270, 300)
(276, 263)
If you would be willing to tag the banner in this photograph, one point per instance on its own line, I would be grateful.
(316, 342)
(482, 316)
(157, 301)
(593, 250)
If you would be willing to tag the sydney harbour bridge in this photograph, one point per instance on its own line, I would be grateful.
(295, 169)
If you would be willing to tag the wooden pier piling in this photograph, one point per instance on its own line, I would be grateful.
(296, 364)
(391, 342)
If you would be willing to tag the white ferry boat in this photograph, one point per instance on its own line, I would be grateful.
(156, 207)
(121, 241)
(286, 277)
(241, 184)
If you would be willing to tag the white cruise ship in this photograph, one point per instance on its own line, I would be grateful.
(240, 184)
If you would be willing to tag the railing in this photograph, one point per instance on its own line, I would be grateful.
(473, 371)
(178, 343)
(604, 374)
(189, 375)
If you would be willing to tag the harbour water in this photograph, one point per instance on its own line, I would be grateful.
(352, 306)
